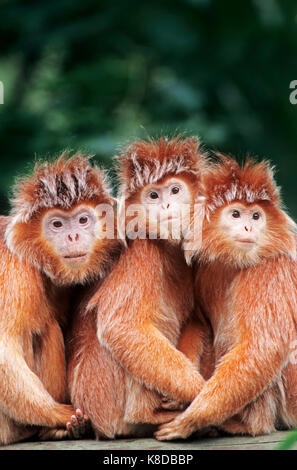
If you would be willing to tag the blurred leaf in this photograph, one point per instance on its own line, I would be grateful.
(289, 441)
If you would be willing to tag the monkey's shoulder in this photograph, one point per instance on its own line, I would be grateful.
(11, 265)
(271, 267)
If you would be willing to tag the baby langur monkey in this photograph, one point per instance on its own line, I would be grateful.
(122, 346)
(245, 284)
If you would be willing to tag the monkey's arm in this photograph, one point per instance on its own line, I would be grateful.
(23, 396)
(196, 344)
(240, 378)
(153, 360)
(267, 330)
(23, 309)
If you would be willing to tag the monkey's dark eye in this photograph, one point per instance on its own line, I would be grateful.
(154, 195)
(236, 214)
(57, 224)
(256, 216)
(175, 190)
(83, 220)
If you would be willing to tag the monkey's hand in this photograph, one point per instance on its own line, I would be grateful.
(172, 404)
(180, 428)
(79, 426)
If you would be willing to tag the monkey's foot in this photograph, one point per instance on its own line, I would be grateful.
(79, 426)
(179, 428)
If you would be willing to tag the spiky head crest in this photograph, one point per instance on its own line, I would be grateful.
(147, 162)
(227, 181)
(61, 183)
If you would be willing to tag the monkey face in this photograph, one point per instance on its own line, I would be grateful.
(71, 234)
(167, 205)
(244, 225)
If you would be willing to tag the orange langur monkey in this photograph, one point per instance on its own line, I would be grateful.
(246, 281)
(50, 241)
(122, 347)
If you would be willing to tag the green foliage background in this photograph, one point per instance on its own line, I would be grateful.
(92, 74)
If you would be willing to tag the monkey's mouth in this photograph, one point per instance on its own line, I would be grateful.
(247, 241)
(76, 256)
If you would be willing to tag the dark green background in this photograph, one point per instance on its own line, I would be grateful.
(93, 74)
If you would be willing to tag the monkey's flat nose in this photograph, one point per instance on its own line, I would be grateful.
(247, 229)
(73, 237)
(165, 205)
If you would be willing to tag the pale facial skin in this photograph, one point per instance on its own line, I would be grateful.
(167, 202)
(244, 224)
(71, 233)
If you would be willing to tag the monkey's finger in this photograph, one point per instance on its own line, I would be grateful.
(69, 430)
(83, 423)
(74, 421)
(179, 428)
(74, 431)
(87, 421)
(167, 432)
(80, 420)
(78, 413)
(88, 424)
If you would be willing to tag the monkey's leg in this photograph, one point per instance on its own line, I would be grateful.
(257, 418)
(288, 402)
(11, 432)
(50, 362)
(23, 396)
(96, 385)
(49, 350)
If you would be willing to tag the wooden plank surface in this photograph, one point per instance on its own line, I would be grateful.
(219, 443)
